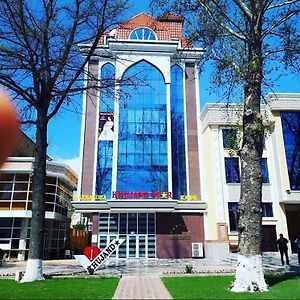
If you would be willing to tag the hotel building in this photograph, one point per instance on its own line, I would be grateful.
(155, 171)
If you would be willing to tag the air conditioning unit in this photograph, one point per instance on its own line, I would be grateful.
(197, 250)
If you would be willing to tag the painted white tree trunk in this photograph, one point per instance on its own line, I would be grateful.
(249, 275)
(34, 270)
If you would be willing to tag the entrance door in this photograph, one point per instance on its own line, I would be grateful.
(269, 238)
(132, 246)
(142, 246)
(137, 246)
(137, 229)
(293, 223)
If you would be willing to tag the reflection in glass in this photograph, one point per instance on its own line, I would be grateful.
(264, 170)
(107, 94)
(104, 168)
(232, 170)
(106, 134)
(142, 34)
(142, 131)
(233, 210)
(177, 133)
(291, 136)
(234, 214)
(229, 138)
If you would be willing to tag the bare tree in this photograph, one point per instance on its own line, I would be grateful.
(42, 68)
(246, 40)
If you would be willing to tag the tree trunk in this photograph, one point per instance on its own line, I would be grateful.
(34, 267)
(249, 272)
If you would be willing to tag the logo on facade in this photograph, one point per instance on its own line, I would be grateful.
(91, 262)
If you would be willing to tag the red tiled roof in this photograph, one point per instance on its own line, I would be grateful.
(167, 27)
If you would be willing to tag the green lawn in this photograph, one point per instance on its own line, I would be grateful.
(75, 288)
(216, 287)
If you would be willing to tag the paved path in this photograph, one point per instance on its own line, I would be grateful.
(141, 287)
(151, 266)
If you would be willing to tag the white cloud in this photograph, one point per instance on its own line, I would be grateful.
(73, 163)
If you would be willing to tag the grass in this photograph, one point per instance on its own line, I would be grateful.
(216, 287)
(75, 288)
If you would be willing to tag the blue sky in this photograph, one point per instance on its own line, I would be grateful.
(64, 130)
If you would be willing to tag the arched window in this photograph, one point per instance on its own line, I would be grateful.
(142, 34)
(107, 92)
(178, 133)
(142, 147)
(105, 131)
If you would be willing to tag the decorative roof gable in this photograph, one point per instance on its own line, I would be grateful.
(167, 28)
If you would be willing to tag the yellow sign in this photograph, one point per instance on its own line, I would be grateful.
(188, 197)
(88, 197)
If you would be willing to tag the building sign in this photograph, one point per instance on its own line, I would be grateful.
(181, 236)
(134, 195)
(180, 232)
(89, 197)
(93, 258)
(141, 195)
(188, 197)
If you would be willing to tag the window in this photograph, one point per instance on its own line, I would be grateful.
(291, 136)
(267, 210)
(233, 211)
(107, 92)
(142, 147)
(142, 34)
(105, 131)
(177, 133)
(232, 170)
(229, 138)
(233, 208)
(264, 169)
(104, 168)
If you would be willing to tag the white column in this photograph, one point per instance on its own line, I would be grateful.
(220, 210)
(169, 140)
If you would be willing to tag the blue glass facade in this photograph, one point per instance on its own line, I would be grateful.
(142, 146)
(178, 133)
(104, 168)
(107, 94)
(291, 136)
(105, 147)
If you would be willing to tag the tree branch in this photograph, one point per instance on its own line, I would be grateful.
(279, 22)
(221, 24)
(11, 84)
(244, 8)
(281, 4)
(81, 68)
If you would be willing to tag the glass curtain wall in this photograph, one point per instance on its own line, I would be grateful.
(178, 133)
(105, 131)
(142, 147)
